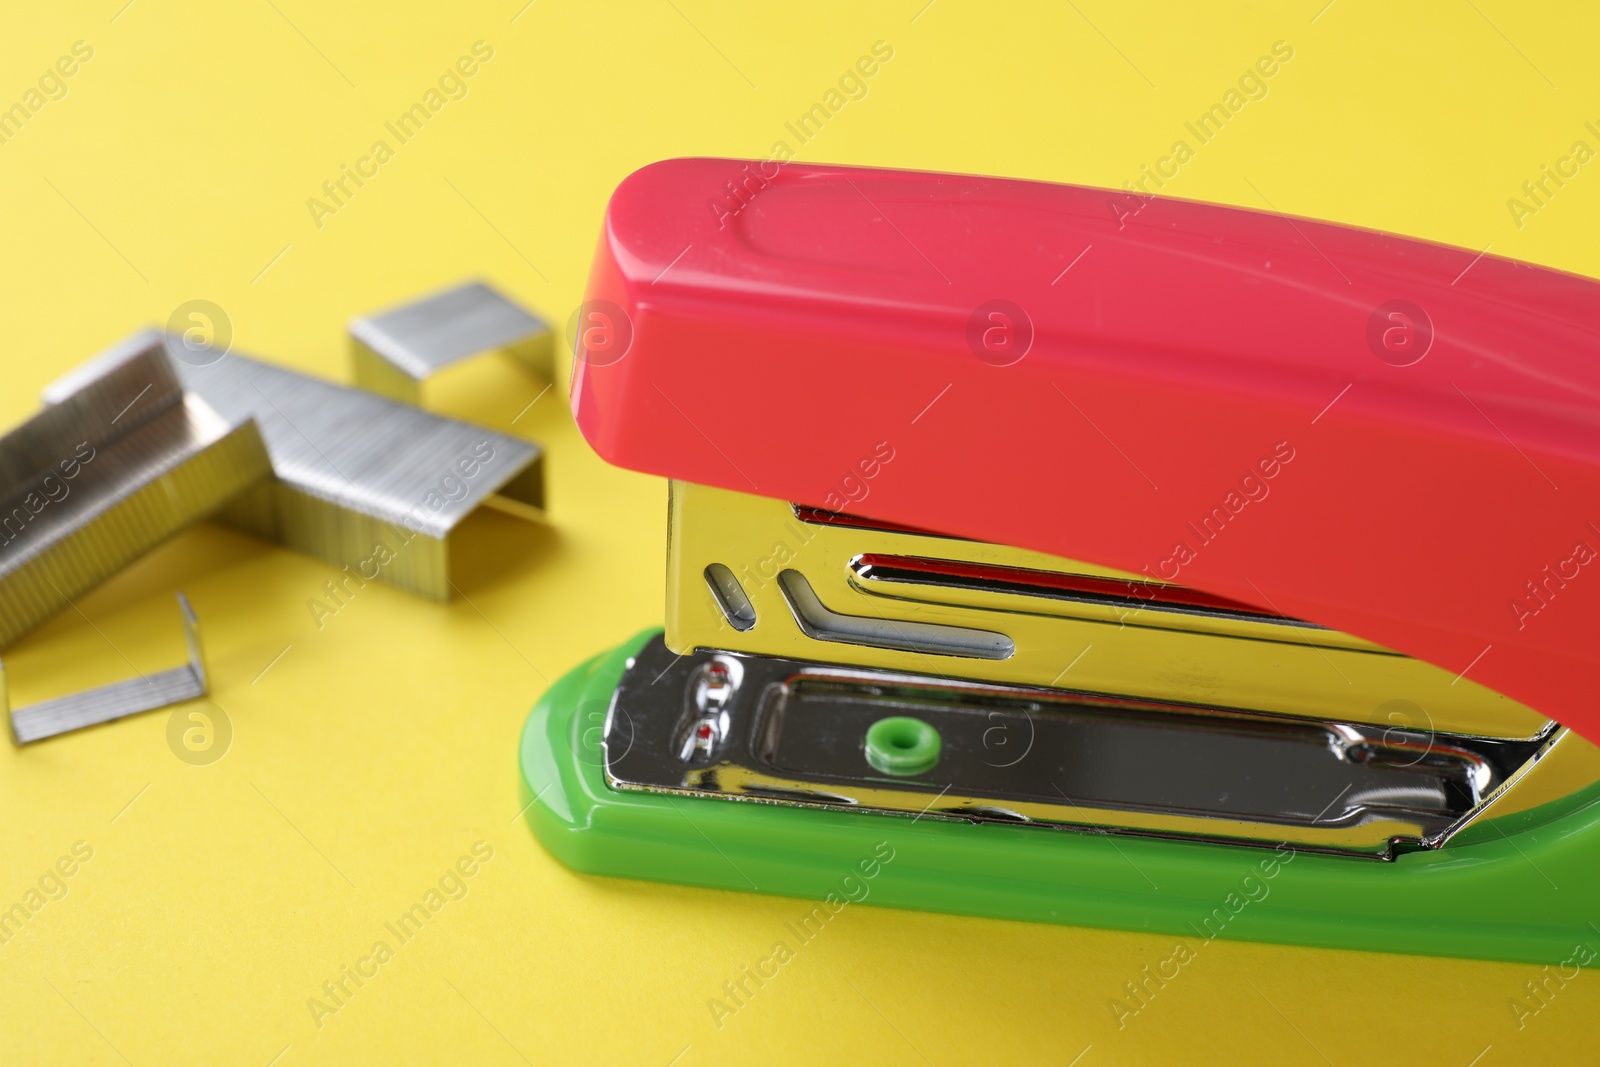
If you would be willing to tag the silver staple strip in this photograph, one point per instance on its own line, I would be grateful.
(395, 350)
(117, 700)
(121, 462)
(360, 480)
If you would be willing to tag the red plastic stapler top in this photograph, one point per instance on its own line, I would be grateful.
(1382, 435)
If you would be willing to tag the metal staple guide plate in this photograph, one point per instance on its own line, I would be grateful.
(120, 463)
(361, 481)
(105, 703)
(797, 732)
(393, 351)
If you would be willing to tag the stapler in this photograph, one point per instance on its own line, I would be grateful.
(1072, 555)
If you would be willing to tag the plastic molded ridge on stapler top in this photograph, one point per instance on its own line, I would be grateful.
(1378, 434)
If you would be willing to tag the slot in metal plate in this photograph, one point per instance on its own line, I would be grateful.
(1048, 621)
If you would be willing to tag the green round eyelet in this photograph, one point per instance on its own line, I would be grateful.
(903, 746)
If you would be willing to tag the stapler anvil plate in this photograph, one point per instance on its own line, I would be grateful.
(1115, 561)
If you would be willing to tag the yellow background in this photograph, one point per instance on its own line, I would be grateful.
(381, 746)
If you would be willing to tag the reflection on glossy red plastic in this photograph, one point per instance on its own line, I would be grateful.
(1377, 434)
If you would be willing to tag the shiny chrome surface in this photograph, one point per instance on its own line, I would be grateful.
(766, 729)
(730, 597)
(885, 575)
(394, 351)
(838, 587)
(361, 481)
(817, 621)
(105, 703)
(1539, 790)
(120, 463)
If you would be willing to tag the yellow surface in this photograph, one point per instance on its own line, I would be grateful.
(379, 748)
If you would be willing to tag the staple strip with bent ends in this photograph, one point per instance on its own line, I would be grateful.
(360, 480)
(105, 703)
(119, 464)
(394, 351)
